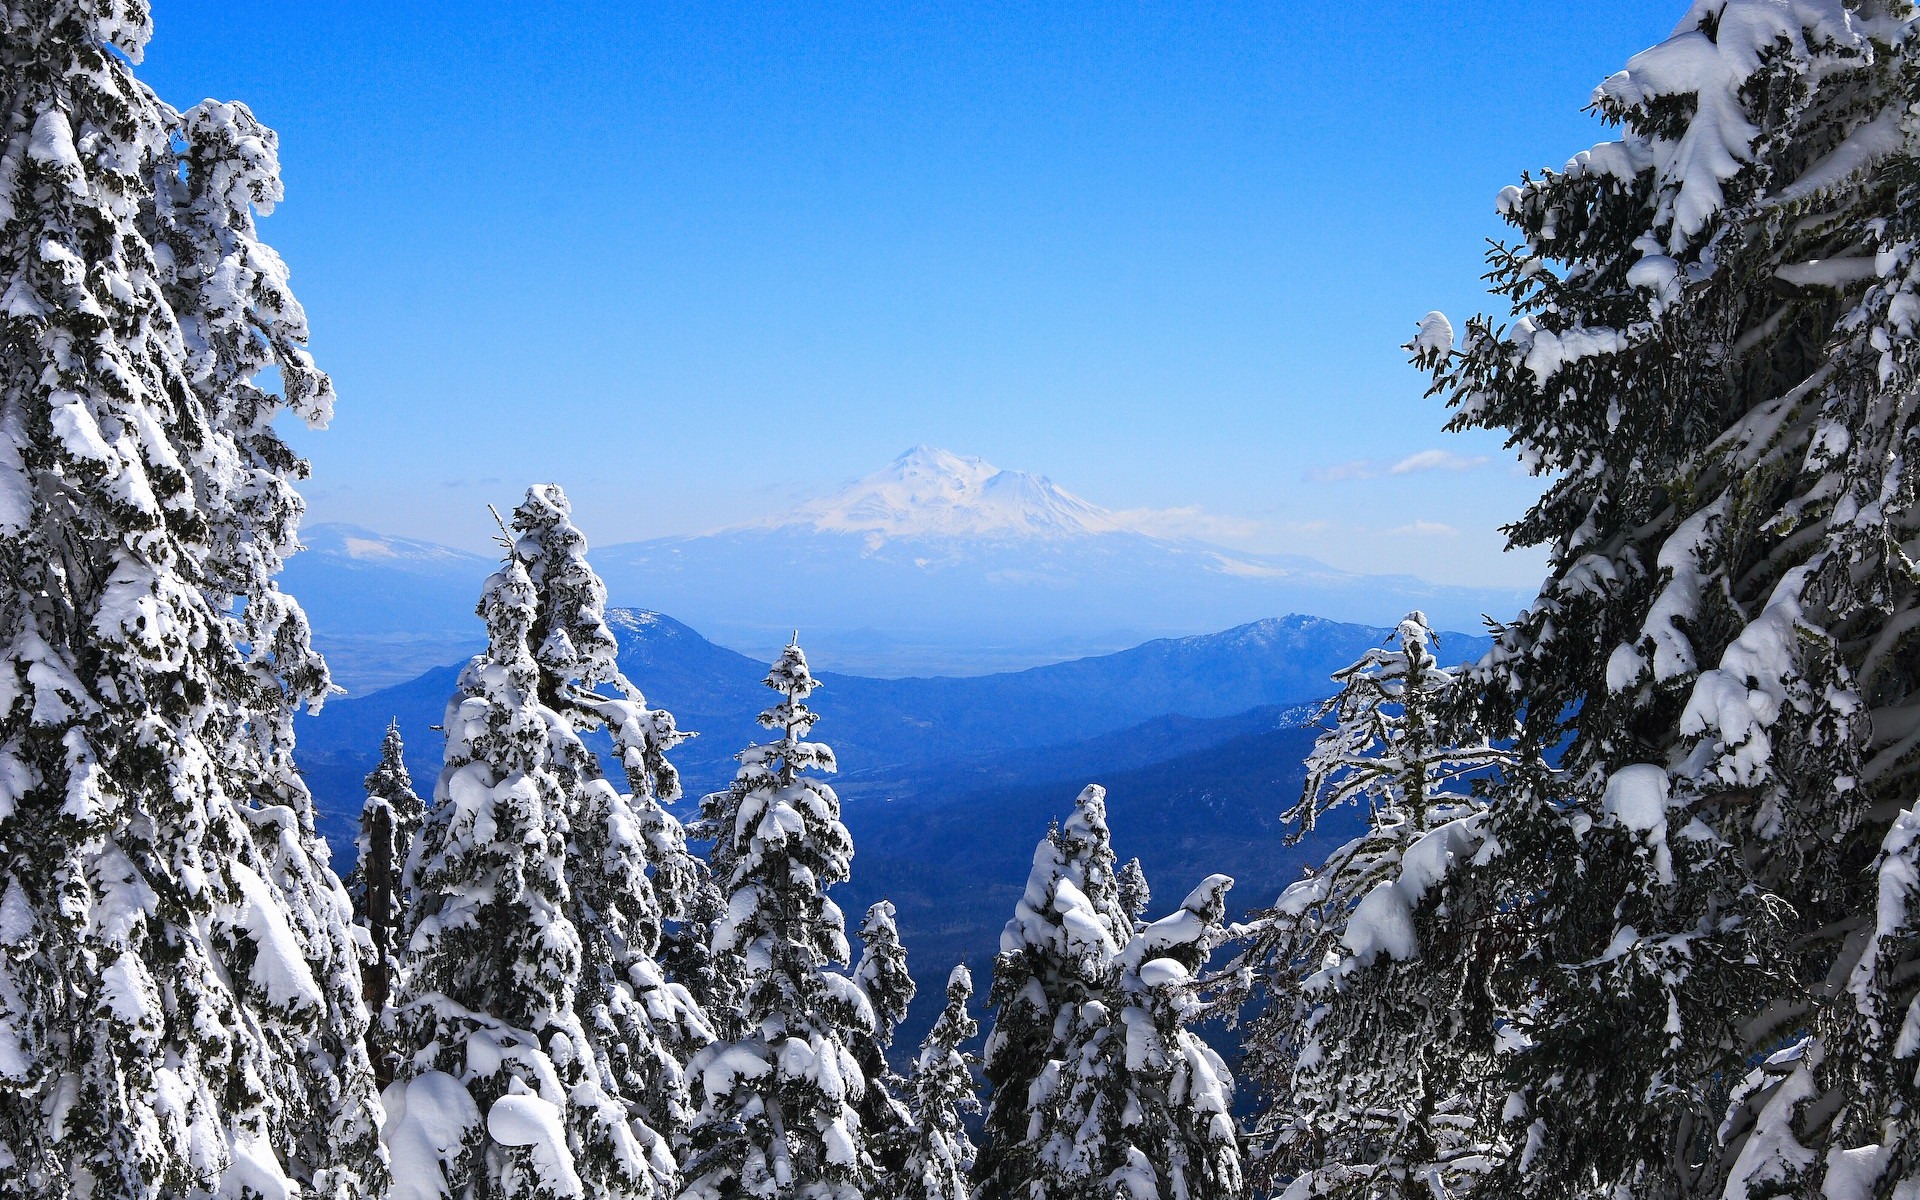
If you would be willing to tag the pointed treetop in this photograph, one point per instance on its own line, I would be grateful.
(573, 642)
(791, 678)
(882, 971)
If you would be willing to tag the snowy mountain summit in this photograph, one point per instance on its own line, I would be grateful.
(933, 493)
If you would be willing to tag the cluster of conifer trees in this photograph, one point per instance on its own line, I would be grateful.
(565, 1001)
(1636, 909)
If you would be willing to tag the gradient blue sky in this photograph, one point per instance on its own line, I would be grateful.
(698, 261)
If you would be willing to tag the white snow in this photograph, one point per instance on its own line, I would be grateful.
(1381, 922)
(1436, 334)
(279, 967)
(52, 142)
(429, 1119)
(1636, 797)
(1740, 699)
(529, 1121)
(255, 1173)
(1851, 1174)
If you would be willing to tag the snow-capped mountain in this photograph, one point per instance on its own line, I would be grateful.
(939, 563)
(931, 493)
(935, 564)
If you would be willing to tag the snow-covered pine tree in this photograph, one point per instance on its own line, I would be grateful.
(779, 1099)
(389, 820)
(543, 1034)
(940, 1094)
(1375, 1044)
(1134, 1104)
(1056, 953)
(1714, 360)
(179, 992)
(885, 1120)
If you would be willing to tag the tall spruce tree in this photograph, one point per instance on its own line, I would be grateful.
(542, 1033)
(179, 1008)
(940, 1095)
(629, 871)
(1702, 923)
(779, 1099)
(1375, 1047)
(1056, 954)
(885, 1120)
(389, 820)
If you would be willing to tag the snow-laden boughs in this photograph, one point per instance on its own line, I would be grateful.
(179, 992)
(1374, 1047)
(542, 1036)
(1056, 954)
(1714, 360)
(940, 1095)
(389, 820)
(1134, 1104)
(780, 1098)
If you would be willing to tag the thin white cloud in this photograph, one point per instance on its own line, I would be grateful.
(1436, 460)
(1412, 464)
(1359, 468)
(1314, 526)
(1425, 529)
(1189, 522)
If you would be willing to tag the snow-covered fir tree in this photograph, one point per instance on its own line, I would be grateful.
(780, 1098)
(1134, 1104)
(1135, 896)
(179, 992)
(940, 1095)
(1056, 954)
(542, 1035)
(1375, 1046)
(1714, 361)
(629, 871)
(885, 1120)
(389, 820)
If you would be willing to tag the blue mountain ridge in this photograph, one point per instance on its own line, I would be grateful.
(948, 783)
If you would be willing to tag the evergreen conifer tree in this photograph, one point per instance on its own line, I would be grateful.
(389, 820)
(885, 1120)
(543, 1035)
(179, 1008)
(940, 1094)
(1376, 1045)
(1135, 895)
(1134, 1104)
(629, 871)
(1056, 954)
(779, 1099)
(1714, 360)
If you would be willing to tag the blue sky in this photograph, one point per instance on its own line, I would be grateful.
(696, 262)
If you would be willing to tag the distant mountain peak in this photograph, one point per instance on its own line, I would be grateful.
(354, 544)
(929, 492)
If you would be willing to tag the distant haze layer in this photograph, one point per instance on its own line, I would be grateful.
(935, 564)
